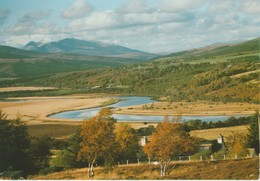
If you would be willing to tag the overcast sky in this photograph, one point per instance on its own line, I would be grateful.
(148, 25)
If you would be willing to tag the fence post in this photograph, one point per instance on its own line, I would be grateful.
(189, 158)
(118, 164)
(126, 162)
(224, 157)
(212, 158)
(235, 156)
(200, 158)
(149, 160)
(138, 160)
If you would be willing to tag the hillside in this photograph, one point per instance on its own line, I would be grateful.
(23, 64)
(221, 170)
(225, 77)
(92, 48)
(184, 82)
(217, 53)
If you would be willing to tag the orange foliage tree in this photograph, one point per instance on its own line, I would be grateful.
(168, 141)
(98, 140)
(127, 142)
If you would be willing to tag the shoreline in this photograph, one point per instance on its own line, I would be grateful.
(37, 109)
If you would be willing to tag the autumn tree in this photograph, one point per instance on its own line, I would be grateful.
(237, 144)
(98, 140)
(168, 141)
(127, 142)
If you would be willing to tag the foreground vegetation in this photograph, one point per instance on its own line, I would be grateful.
(97, 142)
(217, 170)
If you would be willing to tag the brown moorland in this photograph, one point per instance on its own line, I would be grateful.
(247, 169)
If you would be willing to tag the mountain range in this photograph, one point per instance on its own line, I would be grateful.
(83, 47)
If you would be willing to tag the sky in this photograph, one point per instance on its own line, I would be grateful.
(154, 26)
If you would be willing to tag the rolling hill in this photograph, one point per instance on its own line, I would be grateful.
(24, 64)
(82, 47)
(220, 78)
(218, 52)
(230, 75)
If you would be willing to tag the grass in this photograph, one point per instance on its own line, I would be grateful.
(211, 134)
(229, 170)
(52, 130)
(65, 130)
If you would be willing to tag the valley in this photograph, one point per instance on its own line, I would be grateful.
(211, 91)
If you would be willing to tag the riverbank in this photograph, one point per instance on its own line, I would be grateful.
(190, 109)
(35, 110)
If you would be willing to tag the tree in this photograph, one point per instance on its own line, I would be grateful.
(127, 142)
(14, 145)
(40, 150)
(237, 144)
(98, 140)
(168, 141)
(67, 158)
(253, 133)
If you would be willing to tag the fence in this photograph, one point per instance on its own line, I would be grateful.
(220, 157)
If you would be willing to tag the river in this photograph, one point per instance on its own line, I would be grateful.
(131, 101)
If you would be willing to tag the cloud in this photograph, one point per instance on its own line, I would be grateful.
(31, 23)
(173, 6)
(94, 21)
(4, 13)
(77, 10)
(251, 6)
(133, 6)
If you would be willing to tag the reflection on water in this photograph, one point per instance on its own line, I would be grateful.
(131, 101)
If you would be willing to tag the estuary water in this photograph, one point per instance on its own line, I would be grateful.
(130, 101)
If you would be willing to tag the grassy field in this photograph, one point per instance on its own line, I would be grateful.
(211, 134)
(52, 130)
(223, 170)
(59, 130)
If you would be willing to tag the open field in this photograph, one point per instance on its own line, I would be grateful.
(223, 170)
(59, 130)
(211, 134)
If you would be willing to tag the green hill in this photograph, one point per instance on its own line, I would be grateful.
(229, 76)
(216, 53)
(22, 64)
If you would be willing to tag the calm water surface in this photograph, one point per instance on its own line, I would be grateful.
(130, 101)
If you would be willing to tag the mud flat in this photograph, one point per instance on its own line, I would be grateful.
(191, 108)
(34, 110)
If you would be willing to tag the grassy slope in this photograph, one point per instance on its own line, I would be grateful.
(24, 64)
(228, 170)
(159, 78)
(216, 53)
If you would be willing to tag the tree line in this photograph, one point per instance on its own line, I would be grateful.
(198, 124)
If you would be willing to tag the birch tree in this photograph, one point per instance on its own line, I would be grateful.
(168, 141)
(127, 142)
(98, 139)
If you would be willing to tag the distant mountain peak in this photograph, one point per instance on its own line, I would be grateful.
(83, 47)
